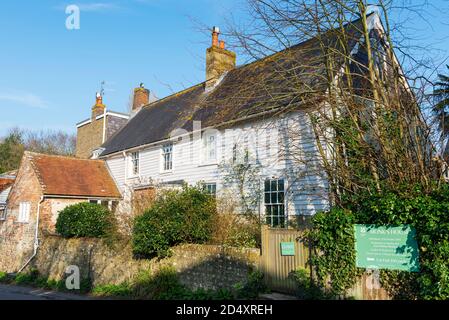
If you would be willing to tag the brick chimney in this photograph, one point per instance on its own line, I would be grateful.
(218, 59)
(99, 107)
(141, 98)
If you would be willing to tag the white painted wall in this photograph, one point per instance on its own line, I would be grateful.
(283, 148)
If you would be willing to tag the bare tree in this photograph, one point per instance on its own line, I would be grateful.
(50, 142)
(18, 140)
(359, 91)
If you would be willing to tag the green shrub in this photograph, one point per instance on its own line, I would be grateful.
(252, 287)
(163, 285)
(184, 216)
(28, 278)
(34, 279)
(4, 278)
(84, 220)
(235, 230)
(120, 290)
(246, 235)
(306, 287)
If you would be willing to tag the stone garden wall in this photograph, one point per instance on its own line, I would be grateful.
(199, 266)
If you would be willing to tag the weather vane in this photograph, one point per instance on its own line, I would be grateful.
(102, 88)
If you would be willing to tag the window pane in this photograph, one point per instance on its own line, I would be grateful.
(268, 220)
(281, 197)
(274, 211)
(281, 185)
(275, 221)
(274, 197)
(273, 185)
(114, 206)
(267, 197)
(267, 185)
(268, 210)
(281, 222)
(282, 210)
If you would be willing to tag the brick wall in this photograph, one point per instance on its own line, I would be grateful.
(88, 138)
(17, 239)
(49, 211)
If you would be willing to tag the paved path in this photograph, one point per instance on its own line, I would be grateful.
(9, 292)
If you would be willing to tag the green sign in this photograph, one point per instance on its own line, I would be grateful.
(386, 247)
(287, 248)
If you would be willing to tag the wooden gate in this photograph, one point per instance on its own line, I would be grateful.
(276, 267)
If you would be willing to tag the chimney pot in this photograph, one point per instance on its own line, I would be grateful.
(215, 33)
(99, 99)
(99, 107)
(218, 60)
(141, 97)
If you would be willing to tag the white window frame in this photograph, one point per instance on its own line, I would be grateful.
(206, 186)
(164, 154)
(278, 205)
(134, 162)
(109, 201)
(24, 212)
(207, 146)
(2, 213)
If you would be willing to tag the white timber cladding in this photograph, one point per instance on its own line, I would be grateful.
(282, 148)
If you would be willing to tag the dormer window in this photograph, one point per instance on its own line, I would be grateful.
(96, 153)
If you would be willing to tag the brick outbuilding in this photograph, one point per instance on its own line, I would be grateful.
(44, 186)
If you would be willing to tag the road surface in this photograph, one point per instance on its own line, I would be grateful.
(10, 292)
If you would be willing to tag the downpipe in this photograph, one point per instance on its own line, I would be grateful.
(36, 239)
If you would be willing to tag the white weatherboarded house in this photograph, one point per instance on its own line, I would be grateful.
(202, 134)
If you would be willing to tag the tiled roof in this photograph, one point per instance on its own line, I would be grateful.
(262, 88)
(5, 183)
(67, 176)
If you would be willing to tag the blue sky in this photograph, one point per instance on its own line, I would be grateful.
(49, 75)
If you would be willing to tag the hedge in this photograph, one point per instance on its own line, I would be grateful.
(177, 216)
(84, 220)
